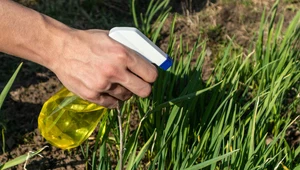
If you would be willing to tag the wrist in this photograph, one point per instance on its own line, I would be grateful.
(53, 40)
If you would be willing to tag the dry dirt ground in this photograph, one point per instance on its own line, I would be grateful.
(215, 21)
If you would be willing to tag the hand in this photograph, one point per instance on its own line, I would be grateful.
(101, 70)
(89, 63)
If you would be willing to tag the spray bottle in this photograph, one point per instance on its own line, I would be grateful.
(66, 120)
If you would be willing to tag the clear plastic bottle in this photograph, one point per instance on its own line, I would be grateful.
(66, 120)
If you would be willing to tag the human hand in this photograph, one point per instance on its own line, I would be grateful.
(89, 63)
(101, 70)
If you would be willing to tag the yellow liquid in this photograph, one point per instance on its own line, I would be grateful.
(69, 125)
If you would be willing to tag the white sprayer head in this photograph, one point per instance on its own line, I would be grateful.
(137, 41)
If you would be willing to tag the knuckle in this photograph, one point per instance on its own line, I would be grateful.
(121, 53)
(134, 60)
(90, 96)
(102, 85)
(110, 71)
(101, 100)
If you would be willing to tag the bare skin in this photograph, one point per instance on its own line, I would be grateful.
(88, 62)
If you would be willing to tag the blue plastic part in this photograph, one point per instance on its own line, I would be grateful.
(167, 64)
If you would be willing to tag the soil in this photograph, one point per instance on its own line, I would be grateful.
(217, 22)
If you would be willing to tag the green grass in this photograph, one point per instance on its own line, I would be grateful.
(222, 123)
(21, 159)
(3, 95)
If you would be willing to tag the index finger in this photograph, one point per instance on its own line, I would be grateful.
(141, 67)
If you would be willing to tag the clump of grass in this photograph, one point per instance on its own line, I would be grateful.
(223, 123)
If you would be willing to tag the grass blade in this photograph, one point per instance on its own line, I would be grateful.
(211, 161)
(20, 159)
(8, 85)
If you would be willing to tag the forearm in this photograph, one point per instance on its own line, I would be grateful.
(30, 35)
(88, 62)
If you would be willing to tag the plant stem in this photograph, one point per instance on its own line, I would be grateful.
(3, 141)
(121, 134)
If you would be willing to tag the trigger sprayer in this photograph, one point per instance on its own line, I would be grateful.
(66, 120)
